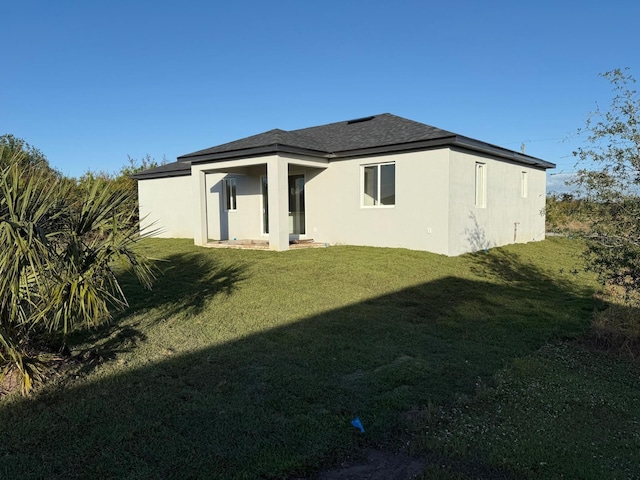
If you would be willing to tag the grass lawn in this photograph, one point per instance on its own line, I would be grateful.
(562, 412)
(252, 364)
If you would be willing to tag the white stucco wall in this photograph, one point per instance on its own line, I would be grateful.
(506, 212)
(434, 207)
(242, 223)
(418, 220)
(166, 206)
(211, 220)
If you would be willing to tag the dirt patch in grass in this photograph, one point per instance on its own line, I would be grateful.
(377, 465)
(52, 366)
(381, 465)
(9, 383)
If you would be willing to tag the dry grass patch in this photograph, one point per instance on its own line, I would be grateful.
(616, 328)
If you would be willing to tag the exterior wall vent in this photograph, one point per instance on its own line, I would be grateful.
(360, 120)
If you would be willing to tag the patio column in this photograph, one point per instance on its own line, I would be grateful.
(278, 181)
(200, 206)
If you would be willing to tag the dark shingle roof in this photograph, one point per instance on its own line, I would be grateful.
(375, 131)
(272, 137)
(384, 133)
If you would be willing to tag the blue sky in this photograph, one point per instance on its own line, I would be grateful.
(89, 83)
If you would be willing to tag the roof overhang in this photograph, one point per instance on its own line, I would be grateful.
(458, 141)
(493, 150)
(176, 169)
(246, 164)
(392, 148)
(250, 152)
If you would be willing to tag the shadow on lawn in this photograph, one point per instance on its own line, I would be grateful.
(184, 285)
(510, 268)
(279, 402)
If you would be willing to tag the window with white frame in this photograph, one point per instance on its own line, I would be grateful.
(229, 194)
(481, 185)
(379, 185)
(523, 184)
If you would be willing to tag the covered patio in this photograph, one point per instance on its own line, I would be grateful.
(270, 195)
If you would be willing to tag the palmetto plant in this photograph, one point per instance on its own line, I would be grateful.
(58, 245)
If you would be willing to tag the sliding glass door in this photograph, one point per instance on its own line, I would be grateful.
(296, 205)
(265, 206)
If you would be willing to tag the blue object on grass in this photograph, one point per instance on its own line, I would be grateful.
(358, 424)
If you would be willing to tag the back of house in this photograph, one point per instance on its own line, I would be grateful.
(381, 181)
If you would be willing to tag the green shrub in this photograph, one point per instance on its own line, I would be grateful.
(58, 243)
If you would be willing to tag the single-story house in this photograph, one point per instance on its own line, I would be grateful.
(382, 181)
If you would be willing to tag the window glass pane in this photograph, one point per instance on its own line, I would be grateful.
(233, 194)
(388, 184)
(480, 185)
(230, 193)
(296, 204)
(371, 185)
(265, 205)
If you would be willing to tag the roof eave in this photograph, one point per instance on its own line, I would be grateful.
(147, 176)
(494, 150)
(452, 141)
(395, 147)
(251, 152)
